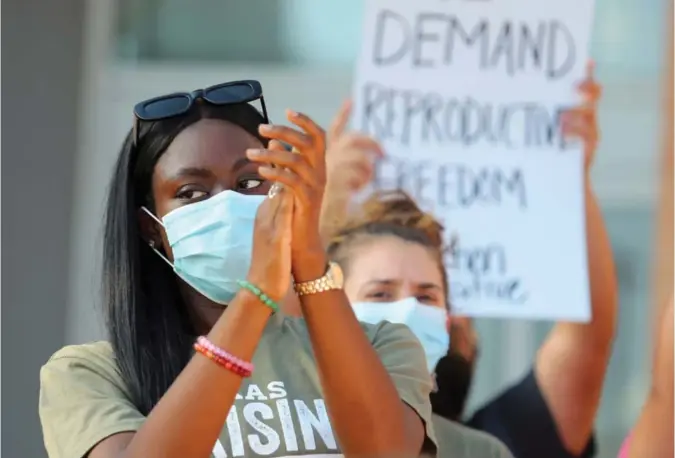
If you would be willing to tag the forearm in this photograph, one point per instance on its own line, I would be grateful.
(365, 408)
(334, 211)
(602, 275)
(653, 433)
(595, 338)
(188, 419)
(573, 360)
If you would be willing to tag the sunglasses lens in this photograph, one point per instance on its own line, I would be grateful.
(166, 107)
(232, 94)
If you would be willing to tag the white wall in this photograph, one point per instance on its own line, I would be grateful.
(40, 82)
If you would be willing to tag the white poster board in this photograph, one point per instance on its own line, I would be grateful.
(465, 97)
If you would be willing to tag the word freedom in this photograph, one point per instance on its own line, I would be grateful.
(433, 39)
(414, 117)
(453, 185)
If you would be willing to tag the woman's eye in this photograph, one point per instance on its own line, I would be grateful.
(250, 183)
(427, 299)
(192, 194)
(379, 296)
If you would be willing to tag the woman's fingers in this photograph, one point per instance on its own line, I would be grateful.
(317, 154)
(276, 145)
(292, 182)
(584, 133)
(311, 142)
(339, 124)
(284, 159)
(315, 132)
(580, 122)
(361, 142)
(274, 214)
(296, 139)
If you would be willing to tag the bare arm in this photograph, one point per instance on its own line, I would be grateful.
(350, 159)
(572, 362)
(188, 419)
(334, 209)
(348, 366)
(367, 424)
(653, 433)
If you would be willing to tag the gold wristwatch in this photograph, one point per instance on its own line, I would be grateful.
(332, 279)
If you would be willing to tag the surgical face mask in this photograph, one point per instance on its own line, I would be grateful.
(427, 322)
(212, 242)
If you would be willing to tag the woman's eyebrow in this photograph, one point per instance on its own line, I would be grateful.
(192, 172)
(241, 163)
(429, 286)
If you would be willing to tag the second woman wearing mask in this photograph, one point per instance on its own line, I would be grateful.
(551, 411)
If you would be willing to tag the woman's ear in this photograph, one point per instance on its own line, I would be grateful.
(149, 227)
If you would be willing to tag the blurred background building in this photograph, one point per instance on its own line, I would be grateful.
(73, 70)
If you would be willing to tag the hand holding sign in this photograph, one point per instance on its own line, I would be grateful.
(581, 122)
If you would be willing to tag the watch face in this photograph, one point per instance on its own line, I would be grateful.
(336, 273)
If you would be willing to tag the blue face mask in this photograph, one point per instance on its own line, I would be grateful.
(427, 322)
(212, 242)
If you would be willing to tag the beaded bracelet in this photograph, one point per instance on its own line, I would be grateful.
(264, 298)
(223, 358)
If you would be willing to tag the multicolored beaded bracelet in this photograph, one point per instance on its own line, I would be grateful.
(223, 358)
(264, 298)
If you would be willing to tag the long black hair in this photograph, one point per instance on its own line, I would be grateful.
(147, 321)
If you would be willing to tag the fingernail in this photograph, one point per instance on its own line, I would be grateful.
(265, 127)
(253, 152)
(291, 113)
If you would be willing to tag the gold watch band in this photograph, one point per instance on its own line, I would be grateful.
(320, 285)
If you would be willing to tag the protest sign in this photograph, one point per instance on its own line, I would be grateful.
(465, 96)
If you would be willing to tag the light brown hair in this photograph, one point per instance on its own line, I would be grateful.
(392, 214)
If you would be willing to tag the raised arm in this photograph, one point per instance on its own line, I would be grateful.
(349, 368)
(653, 433)
(572, 362)
(350, 160)
(190, 416)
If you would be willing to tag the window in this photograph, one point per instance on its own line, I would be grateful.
(288, 31)
(311, 32)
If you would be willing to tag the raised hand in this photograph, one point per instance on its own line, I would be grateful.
(303, 173)
(581, 122)
(272, 236)
(350, 157)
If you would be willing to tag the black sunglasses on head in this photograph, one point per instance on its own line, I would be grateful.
(179, 103)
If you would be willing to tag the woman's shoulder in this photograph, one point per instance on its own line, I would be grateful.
(89, 360)
(98, 353)
(463, 441)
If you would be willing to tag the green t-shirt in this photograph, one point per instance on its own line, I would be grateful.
(279, 411)
(457, 441)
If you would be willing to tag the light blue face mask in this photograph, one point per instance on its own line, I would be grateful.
(427, 322)
(212, 242)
